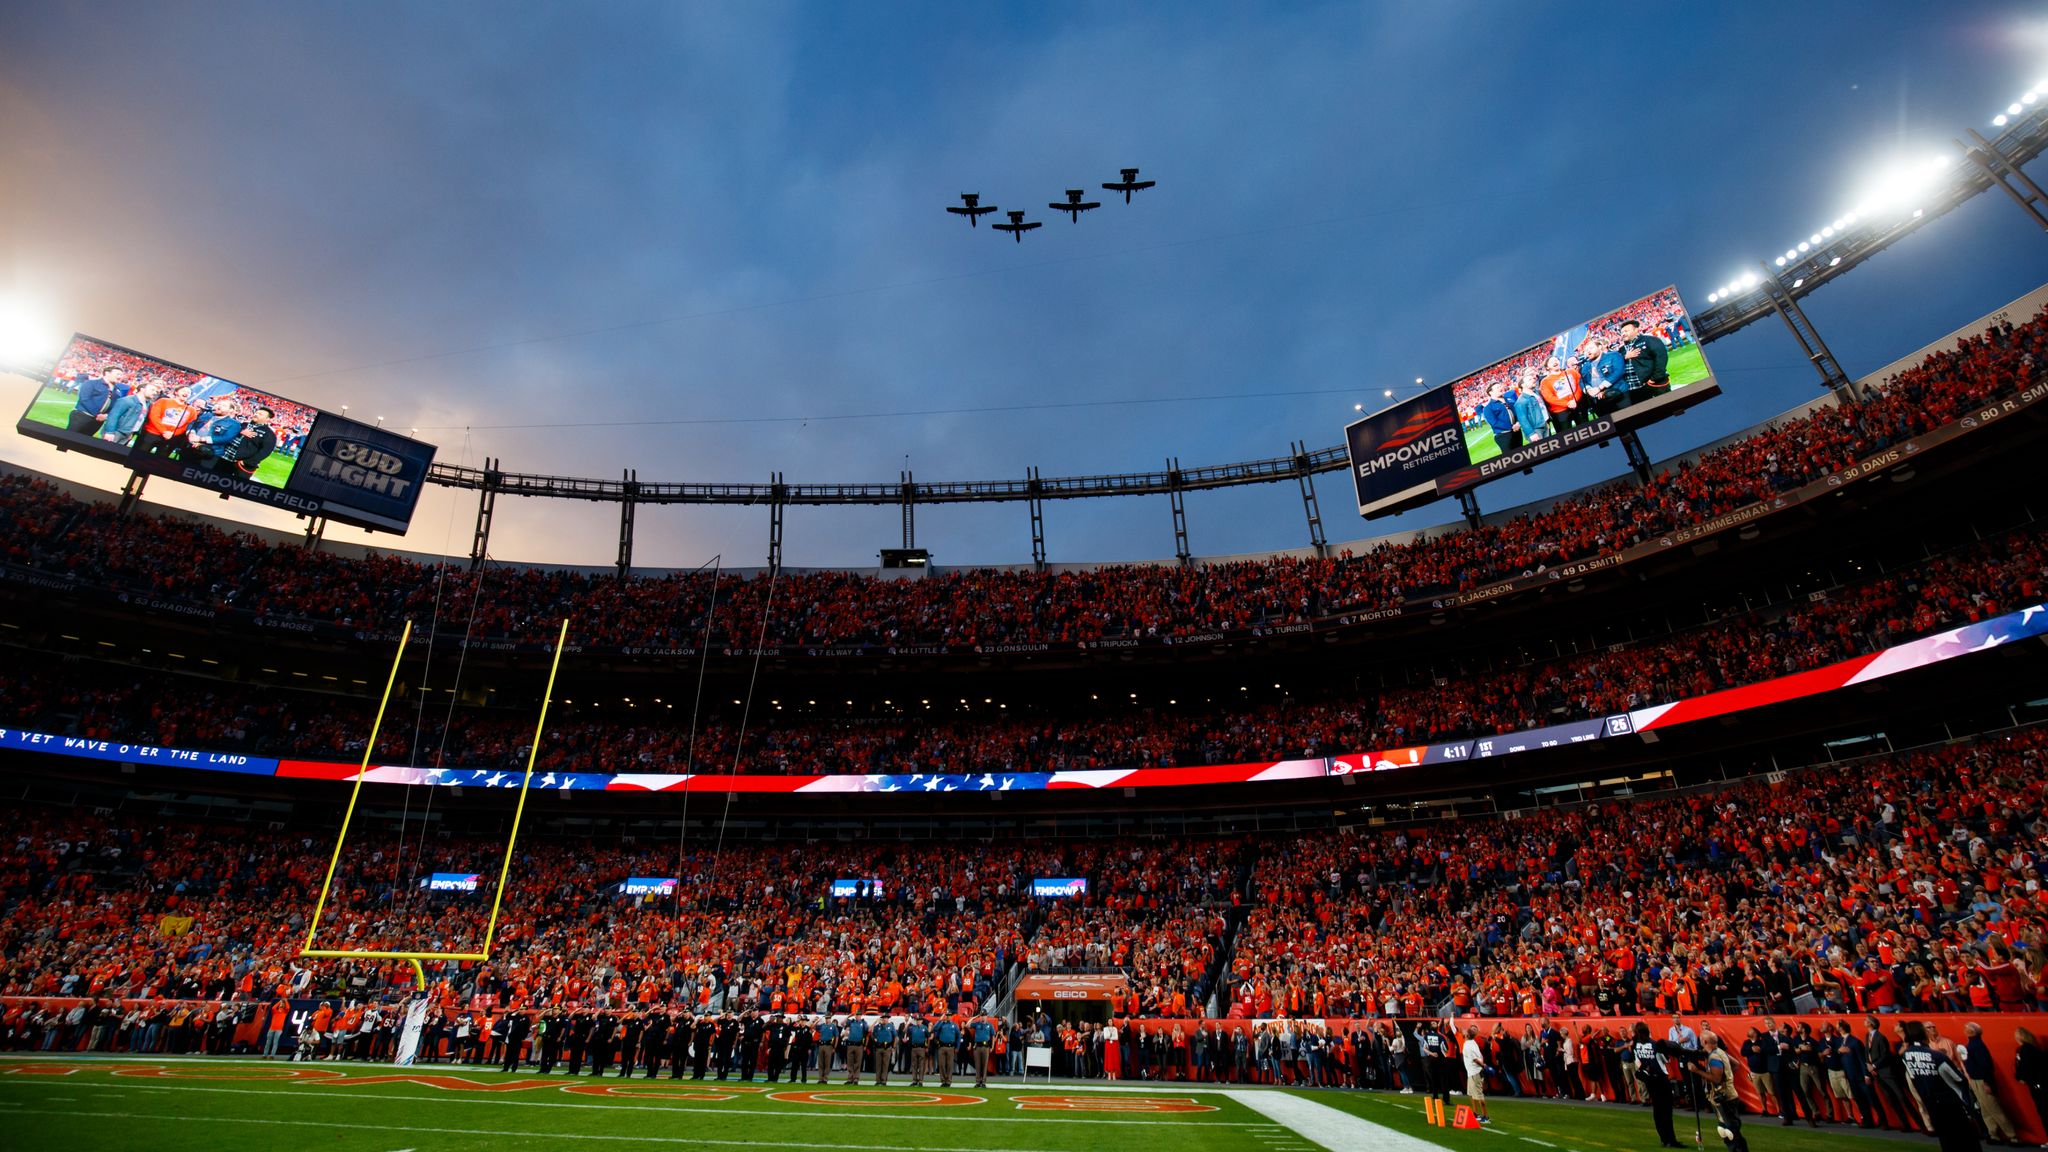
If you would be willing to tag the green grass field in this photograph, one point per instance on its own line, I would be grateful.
(168, 1104)
(53, 407)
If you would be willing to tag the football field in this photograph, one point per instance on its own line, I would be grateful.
(174, 1105)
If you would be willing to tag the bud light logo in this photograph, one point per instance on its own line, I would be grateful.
(360, 474)
(1060, 889)
(358, 465)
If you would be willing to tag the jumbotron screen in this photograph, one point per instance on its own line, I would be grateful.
(1622, 369)
(165, 419)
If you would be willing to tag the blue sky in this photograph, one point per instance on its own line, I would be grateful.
(467, 217)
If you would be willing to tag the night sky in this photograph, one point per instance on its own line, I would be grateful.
(706, 240)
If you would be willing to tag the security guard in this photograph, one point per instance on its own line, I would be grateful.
(828, 1047)
(984, 1036)
(800, 1037)
(856, 1047)
(948, 1033)
(1650, 1074)
(885, 1050)
(920, 1055)
(1430, 1040)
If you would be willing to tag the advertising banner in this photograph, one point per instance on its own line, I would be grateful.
(452, 882)
(1059, 889)
(648, 886)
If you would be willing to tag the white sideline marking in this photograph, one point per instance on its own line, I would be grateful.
(1326, 1126)
(503, 1132)
(653, 1105)
(157, 1059)
(1533, 1140)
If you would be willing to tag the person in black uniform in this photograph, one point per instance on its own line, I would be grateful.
(722, 1045)
(654, 1042)
(1644, 358)
(1940, 1086)
(1813, 1076)
(752, 1030)
(577, 1040)
(800, 1044)
(516, 1032)
(2030, 1067)
(1785, 1076)
(701, 1035)
(629, 1043)
(778, 1046)
(603, 1042)
(1887, 1077)
(1430, 1042)
(548, 1034)
(680, 1026)
(1650, 1074)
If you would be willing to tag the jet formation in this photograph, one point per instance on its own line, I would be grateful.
(971, 206)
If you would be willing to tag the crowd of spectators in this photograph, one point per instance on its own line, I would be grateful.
(42, 528)
(1904, 883)
(108, 702)
(104, 907)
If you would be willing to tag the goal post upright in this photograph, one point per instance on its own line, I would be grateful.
(369, 750)
(519, 812)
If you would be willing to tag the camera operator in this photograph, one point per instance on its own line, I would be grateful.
(1716, 1075)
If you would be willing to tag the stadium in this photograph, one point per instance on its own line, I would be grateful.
(1621, 795)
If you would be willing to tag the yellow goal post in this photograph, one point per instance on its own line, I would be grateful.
(504, 871)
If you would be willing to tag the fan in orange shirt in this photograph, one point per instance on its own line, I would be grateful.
(1561, 393)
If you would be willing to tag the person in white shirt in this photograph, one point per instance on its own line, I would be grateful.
(1475, 1073)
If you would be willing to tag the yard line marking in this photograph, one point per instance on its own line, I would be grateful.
(1533, 1140)
(503, 1132)
(1319, 1124)
(285, 1092)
